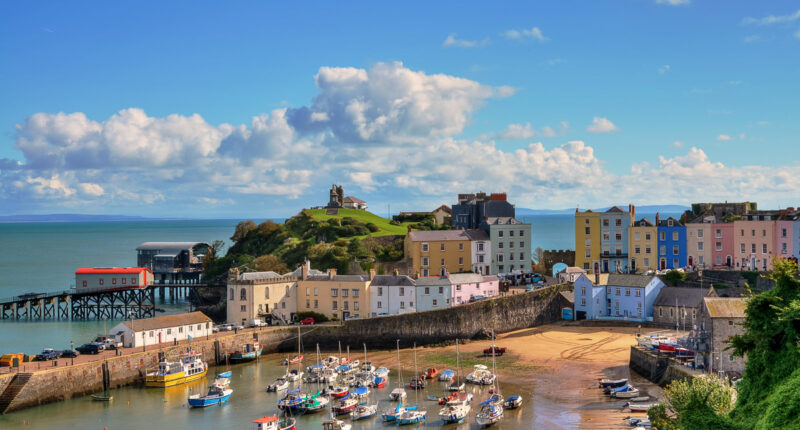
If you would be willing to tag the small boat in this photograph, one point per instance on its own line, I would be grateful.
(513, 402)
(345, 405)
(667, 348)
(429, 373)
(489, 414)
(249, 352)
(454, 413)
(390, 415)
(335, 424)
(683, 353)
(639, 422)
(435, 399)
(363, 412)
(350, 381)
(629, 394)
(331, 361)
(294, 360)
(639, 407)
(315, 403)
(379, 382)
(613, 382)
(367, 366)
(609, 390)
(481, 375)
(456, 386)
(495, 399)
(640, 399)
(346, 360)
(361, 393)
(337, 391)
(105, 397)
(280, 384)
(189, 367)
(411, 417)
(274, 423)
(293, 401)
(293, 375)
(218, 393)
(227, 375)
(447, 375)
(458, 399)
(382, 372)
(398, 394)
(417, 384)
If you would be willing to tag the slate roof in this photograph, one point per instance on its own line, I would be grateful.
(615, 209)
(167, 321)
(502, 220)
(644, 222)
(392, 280)
(432, 281)
(725, 307)
(619, 280)
(248, 276)
(465, 278)
(686, 297)
(340, 278)
(438, 235)
(665, 222)
(489, 278)
(477, 234)
(352, 199)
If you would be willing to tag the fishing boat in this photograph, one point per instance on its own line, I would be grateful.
(513, 402)
(413, 416)
(218, 393)
(640, 399)
(609, 390)
(337, 391)
(367, 366)
(293, 400)
(363, 412)
(189, 367)
(627, 394)
(454, 413)
(361, 393)
(348, 367)
(293, 360)
(398, 394)
(280, 384)
(382, 372)
(613, 382)
(105, 397)
(639, 407)
(293, 375)
(335, 424)
(345, 405)
(274, 423)
(429, 373)
(481, 375)
(249, 352)
(315, 403)
(447, 375)
(489, 415)
(379, 382)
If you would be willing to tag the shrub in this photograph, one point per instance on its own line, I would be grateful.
(318, 317)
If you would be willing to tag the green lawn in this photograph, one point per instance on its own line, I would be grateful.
(364, 216)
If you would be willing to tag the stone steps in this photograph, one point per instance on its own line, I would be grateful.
(14, 387)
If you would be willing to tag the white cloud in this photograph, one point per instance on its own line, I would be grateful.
(663, 69)
(752, 38)
(548, 131)
(91, 189)
(723, 138)
(534, 33)
(451, 41)
(517, 132)
(601, 125)
(773, 19)
(554, 62)
(673, 2)
(677, 144)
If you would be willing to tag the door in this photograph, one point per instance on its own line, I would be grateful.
(605, 266)
(663, 264)
(633, 265)
(691, 261)
(345, 315)
(728, 261)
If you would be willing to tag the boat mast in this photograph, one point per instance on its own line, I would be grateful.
(416, 394)
(399, 367)
(365, 352)
(494, 370)
(458, 363)
(340, 350)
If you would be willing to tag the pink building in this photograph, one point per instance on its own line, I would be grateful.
(722, 252)
(783, 238)
(465, 287)
(754, 242)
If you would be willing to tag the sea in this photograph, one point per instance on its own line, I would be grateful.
(43, 257)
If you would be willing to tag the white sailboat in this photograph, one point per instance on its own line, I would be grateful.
(414, 416)
(398, 394)
(491, 411)
(458, 411)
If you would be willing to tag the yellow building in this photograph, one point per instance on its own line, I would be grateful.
(437, 252)
(587, 239)
(333, 295)
(643, 246)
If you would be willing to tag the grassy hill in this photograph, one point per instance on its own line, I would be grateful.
(384, 227)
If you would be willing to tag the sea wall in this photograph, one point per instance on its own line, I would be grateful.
(470, 321)
(660, 369)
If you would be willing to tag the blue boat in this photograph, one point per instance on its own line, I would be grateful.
(293, 401)
(447, 375)
(390, 415)
(513, 402)
(227, 375)
(218, 393)
(250, 351)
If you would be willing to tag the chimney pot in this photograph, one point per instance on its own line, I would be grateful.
(371, 274)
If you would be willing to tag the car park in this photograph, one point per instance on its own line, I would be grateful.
(257, 323)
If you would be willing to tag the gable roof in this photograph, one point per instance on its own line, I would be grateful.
(644, 222)
(465, 278)
(719, 307)
(477, 234)
(684, 297)
(444, 208)
(665, 222)
(437, 235)
(339, 278)
(432, 281)
(619, 280)
(392, 280)
(615, 209)
(167, 321)
(502, 220)
(351, 199)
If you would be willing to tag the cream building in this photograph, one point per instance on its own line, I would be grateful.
(339, 296)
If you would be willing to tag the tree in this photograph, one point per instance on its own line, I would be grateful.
(701, 402)
(242, 229)
(675, 277)
(213, 254)
(269, 263)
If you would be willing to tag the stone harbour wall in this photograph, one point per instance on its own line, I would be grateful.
(660, 369)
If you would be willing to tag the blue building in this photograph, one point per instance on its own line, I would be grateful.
(472, 209)
(616, 297)
(671, 243)
(614, 239)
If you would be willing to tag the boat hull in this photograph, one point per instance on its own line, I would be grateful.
(204, 402)
(238, 357)
(157, 381)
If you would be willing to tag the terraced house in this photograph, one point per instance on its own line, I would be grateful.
(601, 239)
(339, 296)
(671, 243)
(642, 246)
(438, 252)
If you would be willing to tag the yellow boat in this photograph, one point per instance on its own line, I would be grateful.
(190, 367)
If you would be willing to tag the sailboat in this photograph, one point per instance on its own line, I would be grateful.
(412, 416)
(456, 409)
(398, 394)
(316, 402)
(295, 374)
(491, 410)
(457, 384)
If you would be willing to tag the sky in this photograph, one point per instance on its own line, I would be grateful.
(253, 109)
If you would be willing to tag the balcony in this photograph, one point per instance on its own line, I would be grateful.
(609, 255)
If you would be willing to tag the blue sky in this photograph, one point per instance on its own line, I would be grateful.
(254, 109)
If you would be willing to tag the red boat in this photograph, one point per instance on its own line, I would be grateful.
(444, 400)
(345, 406)
(379, 382)
(344, 360)
(668, 348)
(430, 373)
(494, 350)
(294, 360)
(338, 392)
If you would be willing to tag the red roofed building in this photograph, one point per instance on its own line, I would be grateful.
(90, 280)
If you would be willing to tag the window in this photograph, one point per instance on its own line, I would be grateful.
(480, 258)
(243, 294)
(124, 280)
(585, 266)
(618, 222)
(441, 290)
(647, 236)
(427, 291)
(425, 272)
(283, 305)
(316, 304)
(511, 244)
(606, 236)
(671, 312)
(718, 233)
(335, 305)
(260, 307)
(588, 242)
(699, 246)
(244, 308)
(583, 302)
(460, 246)
(674, 235)
(316, 291)
(133, 280)
(730, 322)
(402, 291)
(380, 305)
(180, 329)
(511, 256)
(499, 258)
(101, 281)
(618, 236)
(661, 312)
(741, 232)
(424, 261)
(521, 256)
(662, 235)
(646, 262)
(662, 250)
(152, 334)
(169, 331)
(500, 233)
(346, 306)
(669, 223)
(752, 248)
(480, 246)
(753, 233)
(627, 291)
(521, 243)
(647, 250)
(458, 287)
(618, 291)
(380, 291)
(308, 291)
(587, 229)
(199, 327)
(783, 248)
(511, 233)
(442, 247)
(355, 306)
(783, 232)
(701, 260)
(424, 247)
(308, 303)
(719, 260)
(266, 293)
(522, 233)
(605, 223)
(764, 233)
(442, 262)
(355, 292)
(741, 248)
(287, 290)
(764, 248)
(675, 264)
(699, 232)
(344, 292)
(113, 281)
(460, 260)
(637, 250)
(410, 304)
(638, 292)
(434, 302)
(583, 291)
(500, 245)
(230, 298)
(587, 220)
(718, 246)
(588, 253)
(675, 250)
(402, 305)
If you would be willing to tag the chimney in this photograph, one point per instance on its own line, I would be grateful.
(632, 210)
(372, 273)
(396, 272)
(331, 273)
(304, 269)
(658, 219)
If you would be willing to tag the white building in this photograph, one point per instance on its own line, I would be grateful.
(166, 329)
(481, 251)
(391, 295)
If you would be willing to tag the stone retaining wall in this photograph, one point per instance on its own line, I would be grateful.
(660, 369)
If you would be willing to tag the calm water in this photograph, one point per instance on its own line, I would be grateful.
(43, 257)
(137, 408)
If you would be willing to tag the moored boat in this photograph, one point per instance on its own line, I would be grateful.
(363, 412)
(429, 373)
(293, 360)
(382, 371)
(293, 401)
(447, 375)
(280, 384)
(390, 415)
(628, 394)
(454, 413)
(249, 352)
(639, 407)
(398, 394)
(489, 415)
(274, 423)
(293, 375)
(613, 382)
(335, 424)
(411, 417)
(226, 374)
(315, 403)
(360, 393)
(513, 402)
(345, 405)
(481, 375)
(417, 384)
(189, 367)
(218, 393)
(337, 391)
(105, 397)
(379, 382)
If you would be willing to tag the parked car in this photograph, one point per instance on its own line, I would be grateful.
(108, 342)
(89, 348)
(351, 317)
(12, 359)
(48, 354)
(307, 321)
(225, 327)
(237, 327)
(70, 353)
(257, 323)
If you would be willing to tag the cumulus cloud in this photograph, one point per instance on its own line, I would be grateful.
(663, 69)
(91, 189)
(723, 138)
(677, 144)
(601, 125)
(773, 19)
(518, 132)
(451, 41)
(534, 33)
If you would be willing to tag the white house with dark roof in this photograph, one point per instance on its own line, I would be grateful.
(679, 307)
(481, 251)
(351, 202)
(392, 295)
(166, 329)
